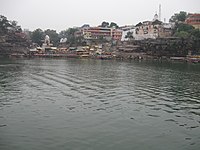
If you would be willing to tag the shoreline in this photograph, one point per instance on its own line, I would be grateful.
(188, 59)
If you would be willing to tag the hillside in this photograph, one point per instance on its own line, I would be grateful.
(12, 39)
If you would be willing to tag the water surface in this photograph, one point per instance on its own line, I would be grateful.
(80, 104)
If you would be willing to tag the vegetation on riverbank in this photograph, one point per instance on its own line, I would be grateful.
(12, 39)
(185, 39)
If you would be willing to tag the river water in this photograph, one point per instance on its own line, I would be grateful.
(80, 104)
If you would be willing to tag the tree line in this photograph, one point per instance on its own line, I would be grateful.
(180, 29)
(6, 26)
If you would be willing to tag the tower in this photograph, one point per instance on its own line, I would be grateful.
(159, 16)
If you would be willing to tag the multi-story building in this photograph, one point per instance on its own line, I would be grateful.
(194, 20)
(146, 30)
(100, 32)
(116, 34)
(152, 29)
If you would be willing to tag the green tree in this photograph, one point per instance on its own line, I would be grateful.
(182, 34)
(195, 34)
(63, 34)
(113, 24)
(37, 36)
(70, 35)
(181, 26)
(129, 36)
(4, 24)
(71, 31)
(54, 37)
(195, 38)
(178, 17)
(15, 26)
(184, 27)
(104, 24)
(183, 30)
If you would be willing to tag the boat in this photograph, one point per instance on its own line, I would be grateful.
(104, 56)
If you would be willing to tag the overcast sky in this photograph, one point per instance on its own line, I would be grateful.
(62, 14)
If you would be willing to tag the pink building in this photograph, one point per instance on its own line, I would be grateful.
(194, 20)
(100, 32)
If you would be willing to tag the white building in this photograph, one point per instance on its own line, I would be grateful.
(152, 29)
(125, 30)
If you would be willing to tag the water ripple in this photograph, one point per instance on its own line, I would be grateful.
(72, 100)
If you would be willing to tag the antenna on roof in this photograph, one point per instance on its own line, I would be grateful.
(159, 16)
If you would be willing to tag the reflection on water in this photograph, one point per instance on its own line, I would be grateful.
(94, 104)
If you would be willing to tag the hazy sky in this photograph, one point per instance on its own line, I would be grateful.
(62, 14)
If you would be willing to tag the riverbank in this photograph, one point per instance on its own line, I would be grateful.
(171, 49)
(123, 57)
